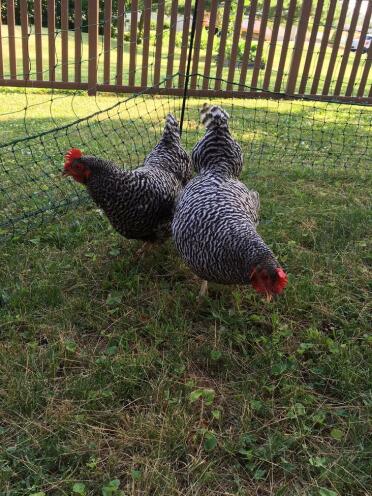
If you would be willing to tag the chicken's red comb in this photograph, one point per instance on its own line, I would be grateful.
(282, 280)
(72, 154)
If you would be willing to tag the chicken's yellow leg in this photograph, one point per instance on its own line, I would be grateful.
(146, 247)
(203, 289)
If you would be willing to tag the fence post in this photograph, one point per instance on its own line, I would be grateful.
(120, 44)
(51, 39)
(159, 40)
(133, 42)
(285, 45)
(93, 6)
(24, 31)
(310, 46)
(298, 46)
(11, 37)
(260, 45)
(107, 41)
(77, 26)
(38, 39)
(222, 49)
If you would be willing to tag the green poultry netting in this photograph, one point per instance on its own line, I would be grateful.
(274, 132)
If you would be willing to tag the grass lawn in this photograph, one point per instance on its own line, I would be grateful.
(113, 377)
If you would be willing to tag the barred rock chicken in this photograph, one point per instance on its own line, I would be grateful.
(139, 204)
(214, 225)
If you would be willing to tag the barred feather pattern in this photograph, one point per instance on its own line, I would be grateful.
(217, 150)
(214, 225)
(140, 204)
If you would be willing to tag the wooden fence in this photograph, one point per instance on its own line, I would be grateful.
(241, 48)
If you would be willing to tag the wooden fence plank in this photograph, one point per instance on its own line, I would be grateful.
(235, 42)
(1, 51)
(349, 40)
(358, 54)
(107, 41)
(77, 27)
(260, 44)
(366, 69)
(133, 42)
(38, 39)
(64, 36)
(284, 51)
(11, 39)
(299, 46)
(120, 43)
(185, 42)
(25, 35)
(211, 37)
(323, 47)
(159, 41)
(51, 39)
(335, 48)
(198, 33)
(93, 9)
(311, 45)
(146, 41)
(223, 39)
(248, 43)
(172, 42)
(273, 40)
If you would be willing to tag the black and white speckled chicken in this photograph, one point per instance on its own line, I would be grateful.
(214, 225)
(140, 203)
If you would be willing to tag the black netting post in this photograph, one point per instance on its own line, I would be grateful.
(191, 47)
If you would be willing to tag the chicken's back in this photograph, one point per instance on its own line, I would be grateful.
(214, 228)
(139, 203)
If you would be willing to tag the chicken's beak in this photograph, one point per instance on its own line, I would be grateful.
(64, 172)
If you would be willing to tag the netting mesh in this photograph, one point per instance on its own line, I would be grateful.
(272, 132)
(31, 190)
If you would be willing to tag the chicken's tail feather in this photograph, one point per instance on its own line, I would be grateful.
(213, 115)
(171, 128)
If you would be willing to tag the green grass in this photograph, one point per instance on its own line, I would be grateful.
(165, 53)
(112, 373)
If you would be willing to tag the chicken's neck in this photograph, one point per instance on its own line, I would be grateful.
(107, 183)
(254, 250)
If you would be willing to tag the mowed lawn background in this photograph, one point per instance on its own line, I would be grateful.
(113, 377)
